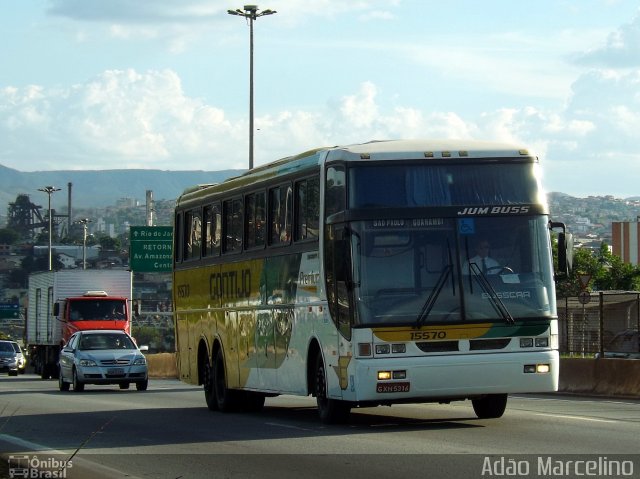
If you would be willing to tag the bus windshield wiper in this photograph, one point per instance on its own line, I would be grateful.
(435, 292)
(497, 303)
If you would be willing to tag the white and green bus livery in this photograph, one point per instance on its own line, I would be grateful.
(371, 274)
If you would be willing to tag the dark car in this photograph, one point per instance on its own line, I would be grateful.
(102, 357)
(8, 358)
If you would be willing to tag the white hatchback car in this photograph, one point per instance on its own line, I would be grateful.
(102, 357)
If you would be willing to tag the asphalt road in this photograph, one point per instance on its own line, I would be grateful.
(167, 432)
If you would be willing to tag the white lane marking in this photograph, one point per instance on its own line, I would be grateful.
(577, 418)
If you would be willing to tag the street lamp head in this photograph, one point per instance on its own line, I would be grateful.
(251, 8)
(267, 12)
(49, 189)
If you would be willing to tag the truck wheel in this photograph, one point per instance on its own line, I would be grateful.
(331, 411)
(224, 396)
(62, 385)
(491, 406)
(78, 386)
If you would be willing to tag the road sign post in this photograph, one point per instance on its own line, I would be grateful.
(151, 249)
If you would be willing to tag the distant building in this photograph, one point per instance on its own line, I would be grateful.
(625, 240)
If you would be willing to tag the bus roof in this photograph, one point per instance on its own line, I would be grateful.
(373, 150)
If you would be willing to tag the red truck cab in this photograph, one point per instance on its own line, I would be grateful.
(93, 310)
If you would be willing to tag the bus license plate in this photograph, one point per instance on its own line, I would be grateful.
(392, 387)
(115, 371)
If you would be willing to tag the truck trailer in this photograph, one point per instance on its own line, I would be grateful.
(63, 302)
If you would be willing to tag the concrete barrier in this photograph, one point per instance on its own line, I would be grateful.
(162, 365)
(605, 377)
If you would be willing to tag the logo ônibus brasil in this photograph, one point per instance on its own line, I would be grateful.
(38, 467)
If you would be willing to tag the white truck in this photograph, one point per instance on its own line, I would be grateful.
(62, 302)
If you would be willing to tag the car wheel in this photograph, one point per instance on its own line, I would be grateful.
(62, 385)
(124, 385)
(78, 386)
(13, 373)
(142, 386)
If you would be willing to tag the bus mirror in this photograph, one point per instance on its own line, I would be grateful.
(565, 250)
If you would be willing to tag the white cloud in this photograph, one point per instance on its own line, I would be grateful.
(621, 50)
(130, 119)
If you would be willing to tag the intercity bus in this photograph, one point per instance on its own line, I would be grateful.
(350, 274)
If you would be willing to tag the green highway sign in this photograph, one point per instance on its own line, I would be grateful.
(151, 248)
(9, 310)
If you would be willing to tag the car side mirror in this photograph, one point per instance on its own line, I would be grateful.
(144, 348)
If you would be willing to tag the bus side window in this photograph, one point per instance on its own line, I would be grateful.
(232, 226)
(254, 220)
(280, 215)
(334, 191)
(193, 234)
(177, 228)
(212, 230)
(307, 209)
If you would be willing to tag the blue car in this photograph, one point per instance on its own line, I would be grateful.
(102, 357)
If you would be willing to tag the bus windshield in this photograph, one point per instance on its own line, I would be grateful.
(450, 270)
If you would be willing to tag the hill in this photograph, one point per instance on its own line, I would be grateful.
(100, 188)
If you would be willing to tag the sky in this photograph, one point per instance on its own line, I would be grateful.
(164, 84)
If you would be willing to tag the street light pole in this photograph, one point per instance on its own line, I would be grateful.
(251, 13)
(49, 190)
(84, 222)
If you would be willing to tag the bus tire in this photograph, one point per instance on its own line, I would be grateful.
(331, 411)
(209, 388)
(225, 398)
(491, 406)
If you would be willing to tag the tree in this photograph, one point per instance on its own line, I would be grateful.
(8, 236)
(107, 243)
(607, 271)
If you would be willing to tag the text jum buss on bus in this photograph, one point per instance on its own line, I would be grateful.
(379, 273)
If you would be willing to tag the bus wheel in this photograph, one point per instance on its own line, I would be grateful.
(209, 389)
(491, 406)
(224, 397)
(331, 411)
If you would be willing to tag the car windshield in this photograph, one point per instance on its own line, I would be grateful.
(6, 348)
(105, 341)
(16, 347)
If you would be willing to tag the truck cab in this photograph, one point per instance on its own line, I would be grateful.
(92, 310)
